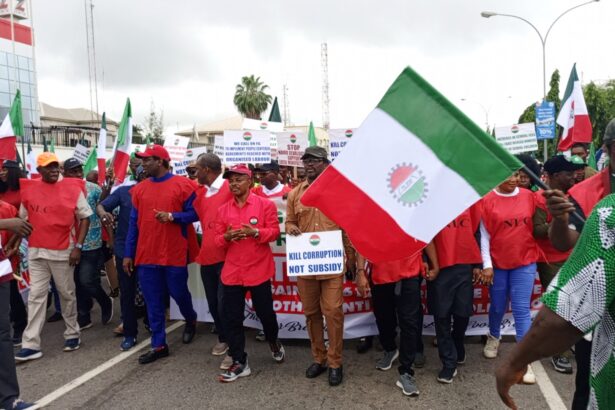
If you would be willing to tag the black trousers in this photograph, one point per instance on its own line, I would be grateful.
(19, 315)
(9, 388)
(234, 314)
(582, 353)
(210, 275)
(399, 304)
(449, 299)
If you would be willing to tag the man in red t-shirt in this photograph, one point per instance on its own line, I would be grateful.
(450, 292)
(157, 244)
(396, 295)
(244, 227)
(214, 192)
(59, 213)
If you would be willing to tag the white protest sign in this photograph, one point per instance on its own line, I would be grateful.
(176, 146)
(315, 253)
(273, 143)
(219, 147)
(179, 168)
(250, 124)
(81, 153)
(291, 146)
(338, 138)
(517, 138)
(246, 147)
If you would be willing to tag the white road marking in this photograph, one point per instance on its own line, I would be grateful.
(554, 401)
(73, 384)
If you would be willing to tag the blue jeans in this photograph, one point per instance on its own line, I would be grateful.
(156, 283)
(87, 279)
(515, 285)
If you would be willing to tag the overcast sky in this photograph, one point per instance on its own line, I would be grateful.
(187, 56)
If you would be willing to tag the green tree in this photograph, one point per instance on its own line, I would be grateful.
(600, 101)
(251, 98)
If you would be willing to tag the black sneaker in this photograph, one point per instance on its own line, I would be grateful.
(446, 375)
(236, 371)
(84, 324)
(365, 344)
(561, 364)
(71, 344)
(277, 351)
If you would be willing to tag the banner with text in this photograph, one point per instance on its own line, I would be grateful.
(246, 147)
(179, 168)
(291, 146)
(315, 253)
(359, 320)
(81, 153)
(219, 147)
(338, 138)
(176, 147)
(517, 138)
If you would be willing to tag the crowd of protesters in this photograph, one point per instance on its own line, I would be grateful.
(142, 233)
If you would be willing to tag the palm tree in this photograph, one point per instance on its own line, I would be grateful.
(250, 97)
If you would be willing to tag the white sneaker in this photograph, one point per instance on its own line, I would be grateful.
(490, 351)
(529, 377)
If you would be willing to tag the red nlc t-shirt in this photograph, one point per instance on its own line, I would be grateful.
(508, 220)
(207, 210)
(51, 210)
(548, 252)
(394, 271)
(456, 243)
(161, 244)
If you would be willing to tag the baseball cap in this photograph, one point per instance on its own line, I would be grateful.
(609, 133)
(238, 169)
(154, 151)
(7, 163)
(46, 158)
(270, 167)
(316, 152)
(72, 163)
(560, 163)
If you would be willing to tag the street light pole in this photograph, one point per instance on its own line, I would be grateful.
(543, 42)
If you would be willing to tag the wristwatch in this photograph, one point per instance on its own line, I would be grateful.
(79, 246)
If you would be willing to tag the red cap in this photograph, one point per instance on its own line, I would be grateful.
(238, 169)
(154, 151)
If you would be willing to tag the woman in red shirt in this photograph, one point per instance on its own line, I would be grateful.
(509, 255)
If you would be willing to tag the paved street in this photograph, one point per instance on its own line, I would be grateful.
(187, 379)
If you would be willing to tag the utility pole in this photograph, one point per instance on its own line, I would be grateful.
(324, 60)
(285, 105)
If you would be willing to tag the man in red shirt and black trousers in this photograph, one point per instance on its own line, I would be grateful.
(158, 244)
(244, 227)
(450, 292)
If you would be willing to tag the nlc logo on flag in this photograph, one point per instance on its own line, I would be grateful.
(407, 184)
